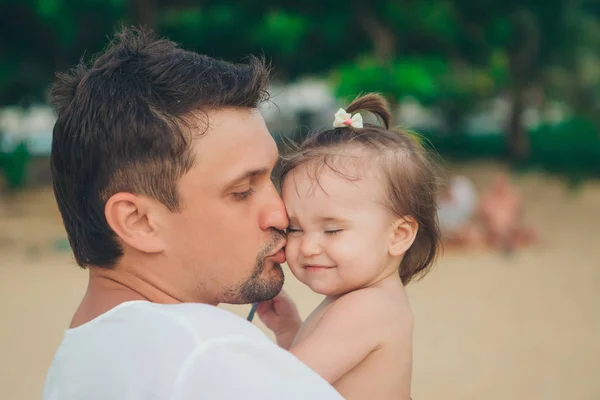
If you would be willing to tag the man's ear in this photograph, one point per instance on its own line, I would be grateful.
(131, 217)
(404, 233)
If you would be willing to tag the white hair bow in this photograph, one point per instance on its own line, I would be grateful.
(342, 118)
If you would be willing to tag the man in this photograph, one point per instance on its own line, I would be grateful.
(161, 166)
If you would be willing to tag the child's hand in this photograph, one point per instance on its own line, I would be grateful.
(281, 316)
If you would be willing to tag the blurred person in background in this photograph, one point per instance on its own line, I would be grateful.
(457, 209)
(493, 219)
(501, 212)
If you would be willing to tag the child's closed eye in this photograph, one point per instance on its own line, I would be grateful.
(332, 232)
(291, 230)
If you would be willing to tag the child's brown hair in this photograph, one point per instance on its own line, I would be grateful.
(409, 173)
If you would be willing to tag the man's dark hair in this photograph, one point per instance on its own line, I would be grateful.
(124, 125)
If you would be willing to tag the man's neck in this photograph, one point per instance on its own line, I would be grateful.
(107, 288)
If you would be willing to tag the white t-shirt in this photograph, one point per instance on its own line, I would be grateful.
(141, 350)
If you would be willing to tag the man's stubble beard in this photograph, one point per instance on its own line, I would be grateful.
(257, 287)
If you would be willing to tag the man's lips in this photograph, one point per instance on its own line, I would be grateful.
(279, 255)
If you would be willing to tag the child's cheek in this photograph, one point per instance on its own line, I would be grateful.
(343, 246)
(291, 252)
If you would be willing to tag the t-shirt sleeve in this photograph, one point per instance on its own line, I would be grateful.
(245, 369)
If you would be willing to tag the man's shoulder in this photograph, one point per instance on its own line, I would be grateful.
(200, 320)
(180, 351)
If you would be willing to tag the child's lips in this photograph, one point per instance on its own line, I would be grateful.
(317, 267)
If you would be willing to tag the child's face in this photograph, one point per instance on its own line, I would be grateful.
(339, 232)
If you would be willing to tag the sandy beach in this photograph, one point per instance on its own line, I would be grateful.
(488, 326)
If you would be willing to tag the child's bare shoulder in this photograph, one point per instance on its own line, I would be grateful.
(372, 306)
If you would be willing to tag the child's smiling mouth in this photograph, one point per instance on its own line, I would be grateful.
(315, 267)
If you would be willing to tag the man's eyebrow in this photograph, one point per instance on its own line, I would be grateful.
(248, 175)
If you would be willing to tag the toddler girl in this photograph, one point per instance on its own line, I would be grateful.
(361, 201)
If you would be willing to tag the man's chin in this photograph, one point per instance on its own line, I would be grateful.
(269, 285)
(277, 282)
(262, 288)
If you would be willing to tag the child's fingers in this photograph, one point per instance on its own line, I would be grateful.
(283, 296)
(261, 308)
(264, 308)
(283, 304)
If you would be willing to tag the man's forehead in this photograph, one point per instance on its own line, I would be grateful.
(236, 141)
(244, 175)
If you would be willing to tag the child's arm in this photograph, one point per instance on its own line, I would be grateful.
(281, 316)
(346, 334)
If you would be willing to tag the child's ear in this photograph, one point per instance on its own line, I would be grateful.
(404, 232)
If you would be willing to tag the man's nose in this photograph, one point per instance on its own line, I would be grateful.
(274, 215)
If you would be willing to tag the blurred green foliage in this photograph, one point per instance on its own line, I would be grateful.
(14, 164)
(451, 54)
(571, 148)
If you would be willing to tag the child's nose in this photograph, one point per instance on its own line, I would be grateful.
(310, 246)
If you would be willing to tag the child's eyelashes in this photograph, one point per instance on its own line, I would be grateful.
(290, 231)
(297, 231)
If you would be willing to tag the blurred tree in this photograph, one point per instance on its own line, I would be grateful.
(449, 53)
(456, 53)
(144, 12)
(532, 35)
(40, 37)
